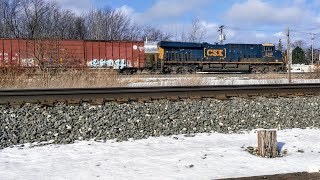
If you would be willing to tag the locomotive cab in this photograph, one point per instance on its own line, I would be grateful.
(268, 50)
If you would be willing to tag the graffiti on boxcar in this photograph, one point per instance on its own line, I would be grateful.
(27, 62)
(6, 58)
(102, 63)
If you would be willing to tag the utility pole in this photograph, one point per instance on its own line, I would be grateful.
(222, 36)
(288, 55)
(312, 38)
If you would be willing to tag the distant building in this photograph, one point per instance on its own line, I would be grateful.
(302, 68)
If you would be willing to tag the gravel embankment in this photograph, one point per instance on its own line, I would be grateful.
(65, 124)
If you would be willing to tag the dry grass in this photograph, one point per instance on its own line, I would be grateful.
(61, 79)
(316, 73)
(87, 78)
(15, 79)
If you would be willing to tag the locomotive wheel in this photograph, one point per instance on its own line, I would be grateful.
(191, 71)
(262, 70)
(254, 70)
(180, 70)
(265, 70)
(276, 69)
(166, 70)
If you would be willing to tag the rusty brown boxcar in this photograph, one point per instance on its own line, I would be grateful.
(72, 53)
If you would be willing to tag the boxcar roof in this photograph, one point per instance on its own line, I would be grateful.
(199, 45)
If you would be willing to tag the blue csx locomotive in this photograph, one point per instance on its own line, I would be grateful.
(182, 57)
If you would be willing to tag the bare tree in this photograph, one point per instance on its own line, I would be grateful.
(4, 8)
(119, 25)
(66, 24)
(198, 31)
(299, 43)
(79, 28)
(36, 19)
(153, 34)
(184, 37)
(107, 24)
(93, 22)
(135, 33)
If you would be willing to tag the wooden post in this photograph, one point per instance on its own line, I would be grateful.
(267, 143)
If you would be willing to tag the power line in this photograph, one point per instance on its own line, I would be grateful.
(305, 32)
(252, 28)
(266, 29)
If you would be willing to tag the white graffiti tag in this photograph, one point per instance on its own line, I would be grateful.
(102, 63)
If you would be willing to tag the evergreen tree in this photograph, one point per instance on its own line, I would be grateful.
(280, 45)
(298, 56)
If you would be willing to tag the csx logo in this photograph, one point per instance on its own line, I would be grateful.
(215, 52)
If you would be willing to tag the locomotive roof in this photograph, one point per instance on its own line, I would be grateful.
(199, 45)
(242, 44)
(268, 44)
(179, 44)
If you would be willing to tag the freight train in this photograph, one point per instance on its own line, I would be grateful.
(135, 56)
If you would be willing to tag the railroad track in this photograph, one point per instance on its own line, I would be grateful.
(101, 95)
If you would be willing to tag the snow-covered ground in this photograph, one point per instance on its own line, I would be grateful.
(185, 81)
(205, 156)
(301, 68)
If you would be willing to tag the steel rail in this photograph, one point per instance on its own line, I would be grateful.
(101, 95)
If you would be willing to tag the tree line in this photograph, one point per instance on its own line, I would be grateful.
(34, 19)
(301, 53)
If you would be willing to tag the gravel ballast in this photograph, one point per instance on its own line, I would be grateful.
(63, 123)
